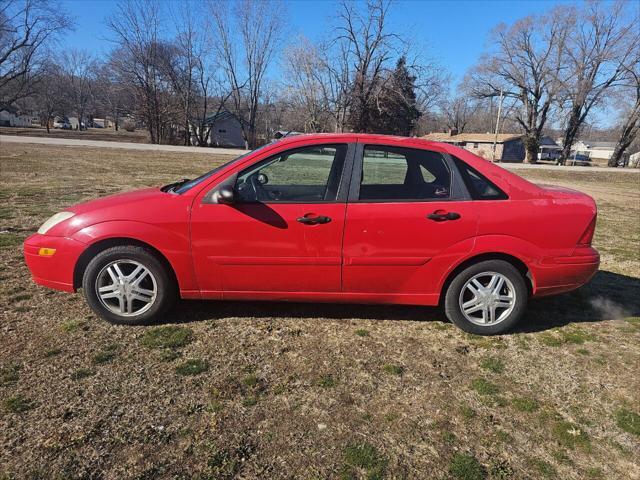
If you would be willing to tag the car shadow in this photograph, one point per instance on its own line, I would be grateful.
(608, 296)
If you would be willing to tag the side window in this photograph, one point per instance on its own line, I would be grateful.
(304, 175)
(396, 174)
(383, 168)
(478, 185)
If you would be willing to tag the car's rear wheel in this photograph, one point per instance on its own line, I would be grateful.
(128, 285)
(486, 298)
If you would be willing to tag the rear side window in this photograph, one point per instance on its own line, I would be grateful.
(478, 185)
(403, 174)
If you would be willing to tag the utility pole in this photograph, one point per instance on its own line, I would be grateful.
(495, 138)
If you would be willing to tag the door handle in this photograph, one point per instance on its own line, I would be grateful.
(319, 219)
(442, 217)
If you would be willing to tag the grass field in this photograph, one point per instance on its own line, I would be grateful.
(280, 391)
(104, 134)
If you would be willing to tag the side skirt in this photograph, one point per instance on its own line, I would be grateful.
(324, 297)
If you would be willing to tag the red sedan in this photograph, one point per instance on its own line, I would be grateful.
(328, 218)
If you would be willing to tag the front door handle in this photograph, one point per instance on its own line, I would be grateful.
(313, 220)
(440, 216)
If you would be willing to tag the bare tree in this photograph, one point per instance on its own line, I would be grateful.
(246, 38)
(139, 59)
(193, 72)
(458, 112)
(371, 47)
(78, 68)
(525, 66)
(309, 86)
(50, 93)
(112, 95)
(596, 55)
(630, 130)
(352, 74)
(319, 80)
(26, 26)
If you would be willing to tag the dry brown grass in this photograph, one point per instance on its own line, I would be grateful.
(257, 390)
(104, 134)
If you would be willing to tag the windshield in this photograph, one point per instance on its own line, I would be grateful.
(192, 183)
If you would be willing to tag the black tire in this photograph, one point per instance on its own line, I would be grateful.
(452, 300)
(166, 288)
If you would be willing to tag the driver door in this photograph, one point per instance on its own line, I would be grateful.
(283, 231)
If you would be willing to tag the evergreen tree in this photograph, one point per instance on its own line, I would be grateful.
(396, 112)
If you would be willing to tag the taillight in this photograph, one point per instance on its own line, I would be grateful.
(587, 236)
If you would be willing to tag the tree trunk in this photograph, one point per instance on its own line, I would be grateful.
(531, 146)
(630, 131)
(570, 135)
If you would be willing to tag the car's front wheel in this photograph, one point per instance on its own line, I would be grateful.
(128, 285)
(486, 298)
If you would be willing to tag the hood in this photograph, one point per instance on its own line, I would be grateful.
(115, 200)
(149, 205)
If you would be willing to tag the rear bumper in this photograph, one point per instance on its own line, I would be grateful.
(556, 275)
(54, 271)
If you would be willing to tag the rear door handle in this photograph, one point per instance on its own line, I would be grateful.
(319, 219)
(442, 217)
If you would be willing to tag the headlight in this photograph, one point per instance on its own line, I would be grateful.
(53, 221)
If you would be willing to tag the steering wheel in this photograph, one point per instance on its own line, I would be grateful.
(255, 186)
(257, 180)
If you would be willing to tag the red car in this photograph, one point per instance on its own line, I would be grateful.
(328, 218)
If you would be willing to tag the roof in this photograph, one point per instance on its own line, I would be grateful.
(601, 145)
(10, 109)
(471, 137)
(218, 117)
(546, 141)
(353, 137)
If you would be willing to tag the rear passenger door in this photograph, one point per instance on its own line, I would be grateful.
(408, 219)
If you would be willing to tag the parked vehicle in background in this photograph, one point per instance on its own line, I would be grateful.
(328, 218)
(577, 159)
(549, 154)
(61, 124)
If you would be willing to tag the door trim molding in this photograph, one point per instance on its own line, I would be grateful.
(275, 260)
(386, 261)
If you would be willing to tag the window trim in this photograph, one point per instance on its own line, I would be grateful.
(343, 181)
(457, 189)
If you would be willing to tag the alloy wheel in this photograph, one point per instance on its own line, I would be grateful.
(487, 298)
(126, 288)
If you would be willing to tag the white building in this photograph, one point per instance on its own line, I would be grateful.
(224, 131)
(600, 152)
(11, 117)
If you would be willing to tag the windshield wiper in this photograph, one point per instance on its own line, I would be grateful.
(173, 186)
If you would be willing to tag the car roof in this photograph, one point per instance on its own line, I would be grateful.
(354, 137)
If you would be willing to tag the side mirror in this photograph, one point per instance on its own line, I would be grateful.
(224, 195)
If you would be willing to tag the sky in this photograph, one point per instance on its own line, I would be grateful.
(455, 33)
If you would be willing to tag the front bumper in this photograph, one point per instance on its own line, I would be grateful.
(556, 275)
(55, 271)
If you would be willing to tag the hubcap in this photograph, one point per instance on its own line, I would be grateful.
(126, 287)
(487, 298)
